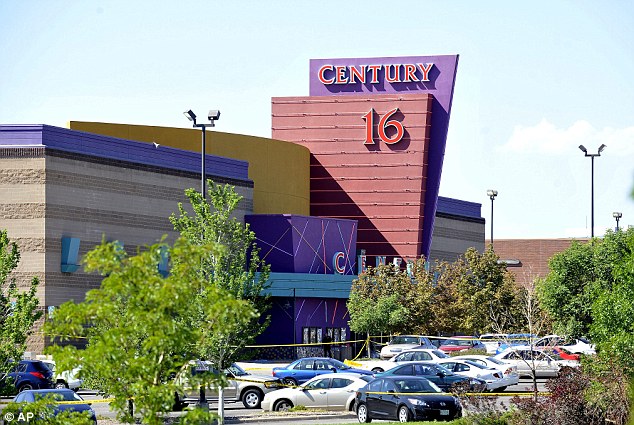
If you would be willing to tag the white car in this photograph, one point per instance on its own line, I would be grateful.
(575, 345)
(494, 378)
(333, 391)
(492, 341)
(511, 377)
(65, 379)
(545, 365)
(413, 355)
(404, 342)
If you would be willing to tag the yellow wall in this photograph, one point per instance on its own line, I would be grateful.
(280, 170)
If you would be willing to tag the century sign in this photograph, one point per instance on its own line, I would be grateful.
(393, 73)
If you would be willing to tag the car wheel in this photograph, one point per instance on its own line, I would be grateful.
(377, 370)
(25, 387)
(362, 414)
(252, 398)
(290, 381)
(282, 405)
(403, 414)
(61, 385)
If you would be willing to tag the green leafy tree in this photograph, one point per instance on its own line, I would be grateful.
(578, 276)
(18, 312)
(138, 326)
(238, 269)
(470, 291)
(612, 327)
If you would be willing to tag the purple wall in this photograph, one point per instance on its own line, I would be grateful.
(301, 244)
(441, 82)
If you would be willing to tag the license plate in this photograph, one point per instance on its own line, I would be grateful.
(444, 413)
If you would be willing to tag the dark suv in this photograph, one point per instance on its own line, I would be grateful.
(31, 375)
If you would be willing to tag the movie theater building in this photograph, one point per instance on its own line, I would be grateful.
(349, 179)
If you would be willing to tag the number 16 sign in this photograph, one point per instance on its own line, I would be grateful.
(384, 123)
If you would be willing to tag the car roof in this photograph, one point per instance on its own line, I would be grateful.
(350, 375)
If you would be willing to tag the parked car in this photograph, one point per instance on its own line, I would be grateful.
(31, 374)
(242, 386)
(78, 405)
(66, 379)
(461, 343)
(413, 399)
(511, 377)
(302, 370)
(493, 377)
(543, 364)
(491, 341)
(443, 378)
(574, 345)
(330, 392)
(515, 340)
(405, 342)
(412, 355)
(565, 354)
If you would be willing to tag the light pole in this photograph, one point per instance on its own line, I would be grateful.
(592, 155)
(214, 115)
(492, 194)
(617, 215)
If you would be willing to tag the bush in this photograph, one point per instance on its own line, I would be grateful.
(473, 351)
(596, 393)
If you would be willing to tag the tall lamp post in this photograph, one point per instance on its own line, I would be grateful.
(617, 215)
(592, 155)
(492, 194)
(214, 115)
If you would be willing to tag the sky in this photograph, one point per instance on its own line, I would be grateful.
(535, 80)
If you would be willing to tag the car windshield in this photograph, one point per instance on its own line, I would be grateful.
(58, 395)
(366, 378)
(338, 364)
(51, 366)
(440, 369)
(415, 386)
(236, 370)
(494, 360)
(458, 342)
(440, 354)
(474, 364)
(404, 340)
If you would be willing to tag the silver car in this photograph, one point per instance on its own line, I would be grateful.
(242, 386)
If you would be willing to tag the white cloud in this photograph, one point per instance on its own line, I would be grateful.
(545, 138)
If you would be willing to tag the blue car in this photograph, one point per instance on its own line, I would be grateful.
(514, 340)
(302, 370)
(78, 404)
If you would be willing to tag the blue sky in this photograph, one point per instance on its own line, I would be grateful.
(535, 80)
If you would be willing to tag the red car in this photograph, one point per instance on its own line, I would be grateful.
(565, 354)
(461, 343)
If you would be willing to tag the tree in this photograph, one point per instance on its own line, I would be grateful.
(374, 304)
(470, 290)
(612, 312)
(18, 311)
(238, 269)
(578, 276)
(138, 326)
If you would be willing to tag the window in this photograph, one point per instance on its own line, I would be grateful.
(321, 384)
(461, 367)
(404, 357)
(449, 365)
(375, 385)
(420, 355)
(304, 365)
(337, 334)
(322, 365)
(389, 386)
(340, 382)
(311, 335)
(404, 370)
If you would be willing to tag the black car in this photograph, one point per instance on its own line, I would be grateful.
(31, 374)
(78, 404)
(405, 398)
(443, 378)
